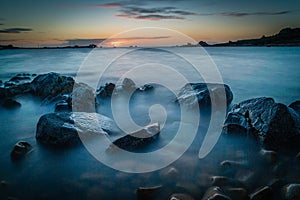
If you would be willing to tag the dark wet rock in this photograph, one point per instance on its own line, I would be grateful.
(63, 128)
(20, 150)
(280, 169)
(145, 87)
(3, 184)
(291, 192)
(234, 164)
(51, 85)
(181, 196)
(136, 140)
(273, 125)
(237, 193)
(63, 106)
(215, 193)
(11, 90)
(21, 78)
(262, 194)
(106, 91)
(295, 106)
(268, 156)
(198, 94)
(169, 175)
(276, 185)
(11, 104)
(145, 193)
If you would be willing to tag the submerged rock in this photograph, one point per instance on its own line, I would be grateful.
(20, 150)
(215, 193)
(11, 104)
(237, 193)
(181, 196)
(137, 139)
(262, 193)
(169, 175)
(145, 193)
(274, 125)
(291, 192)
(63, 128)
(200, 94)
(268, 156)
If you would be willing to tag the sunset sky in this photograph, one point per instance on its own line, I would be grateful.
(70, 22)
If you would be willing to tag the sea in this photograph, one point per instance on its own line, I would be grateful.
(74, 173)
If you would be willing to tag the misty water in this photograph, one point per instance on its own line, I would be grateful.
(73, 173)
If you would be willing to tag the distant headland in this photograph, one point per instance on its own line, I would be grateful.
(285, 37)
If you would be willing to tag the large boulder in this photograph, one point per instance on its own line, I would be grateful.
(63, 128)
(199, 94)
(274, 125)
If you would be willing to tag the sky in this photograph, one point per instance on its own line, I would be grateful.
(77, 22)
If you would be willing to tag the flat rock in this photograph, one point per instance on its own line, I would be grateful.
(63, 128)
(262, 194)
(199, 94)
(272, 124)
(137, 140)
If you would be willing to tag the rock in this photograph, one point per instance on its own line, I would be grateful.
(63, 128)
(51, 85)
(137, 139)
(181, 196)
(291, 192)
(145, 87)
(11, 104)
(3, 184)
(273, 125)
(83, 99)
(21, 78)
(198, 94)
(295, 106)
(106, 91)
(268, 156)
(237, 193)
(20, 150)
(128, 84)
(262, 194)
(169, 175)
(63, 106)
(145, 193)
(215, 193)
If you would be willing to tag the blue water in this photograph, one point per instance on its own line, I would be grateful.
(74, 173)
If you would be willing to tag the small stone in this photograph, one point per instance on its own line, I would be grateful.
(291, 192)
(215, 193)
(298, 156)
(169, 175)
(181, 196)
(268, 156)
(237, 193)
(11, 104)
(3, 184)
(144, 193)
(262, 194)
(20, 150)
(128, 84)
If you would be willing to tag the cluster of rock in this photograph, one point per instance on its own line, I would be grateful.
(274, 126)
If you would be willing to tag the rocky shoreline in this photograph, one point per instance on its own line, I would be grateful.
(273, 127)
